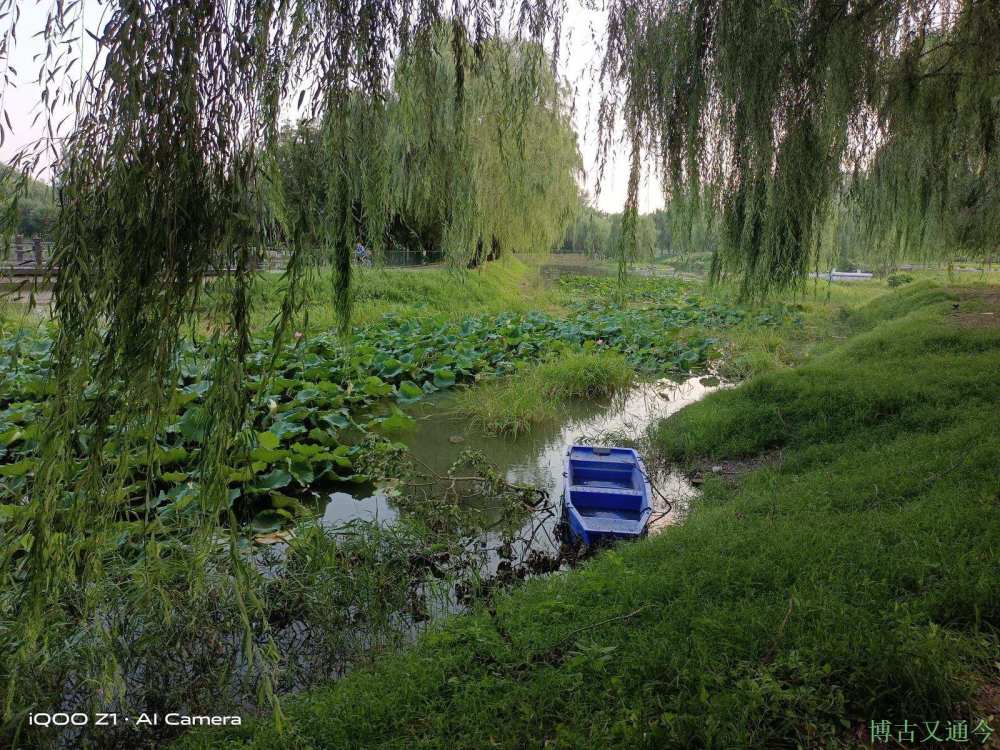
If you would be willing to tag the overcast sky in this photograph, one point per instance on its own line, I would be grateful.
(579, 55)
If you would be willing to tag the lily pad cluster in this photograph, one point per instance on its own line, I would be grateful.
(322, 395)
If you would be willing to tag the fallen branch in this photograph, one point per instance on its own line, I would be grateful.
(602, 622)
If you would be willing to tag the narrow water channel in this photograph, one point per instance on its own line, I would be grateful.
(536, 458)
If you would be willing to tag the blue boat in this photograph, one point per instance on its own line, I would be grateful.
(607, 493)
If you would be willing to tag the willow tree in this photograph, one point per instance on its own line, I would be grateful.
(484, 147)
(772, 103)
(477, 152)
(933, 187)
(166, 174)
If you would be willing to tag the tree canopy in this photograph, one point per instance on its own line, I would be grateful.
(470, 170)
(771, 105)
(168, 171)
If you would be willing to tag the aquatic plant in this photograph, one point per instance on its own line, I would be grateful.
(592, 373)
(510, 406)
(533, 394)
(319, 395)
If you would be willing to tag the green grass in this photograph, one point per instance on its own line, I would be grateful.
(506, 285)
(857, 579)
(774, 411)
(828, 313)
(512, 405)
(584, 375)
(504, 407)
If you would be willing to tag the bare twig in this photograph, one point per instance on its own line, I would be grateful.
(626, 616)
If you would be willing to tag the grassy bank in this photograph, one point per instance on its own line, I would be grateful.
(506, 285)
(854, 578)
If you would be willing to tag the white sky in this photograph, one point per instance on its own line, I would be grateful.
(580, 59)
(583, 31)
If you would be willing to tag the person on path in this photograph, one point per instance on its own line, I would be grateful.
(361, 255)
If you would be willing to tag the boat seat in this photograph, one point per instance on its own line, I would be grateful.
(615, 454)
(594, 462)
(606, 525)
(605, 484)
(609, 498)
(605, 490)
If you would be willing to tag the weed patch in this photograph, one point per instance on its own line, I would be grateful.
(514, 404)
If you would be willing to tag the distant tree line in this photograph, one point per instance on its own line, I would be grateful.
(35, 209)
(848, 241)
(670, 232)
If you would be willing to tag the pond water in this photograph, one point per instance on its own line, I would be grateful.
(575, 265)
(536, 458)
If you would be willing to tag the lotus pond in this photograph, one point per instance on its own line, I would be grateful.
(363, 502)
(327, 401)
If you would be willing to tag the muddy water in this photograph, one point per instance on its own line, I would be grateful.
(536, 458)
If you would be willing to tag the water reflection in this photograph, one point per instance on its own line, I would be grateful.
(536, 458)
(343, 507)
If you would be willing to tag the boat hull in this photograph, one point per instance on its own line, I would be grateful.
(607, 495)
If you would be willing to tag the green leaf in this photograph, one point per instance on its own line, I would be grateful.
(268, 456)
(395, 422)
(302, 470)
(267, 521)
(10, 437)
(171, 456)
(374, 386)
(280, 501)
(243, 474)
(285, 429)
(268, 440)
(409, 392)
(13, 513)
(444, 378)
(193, 424)
(307, 449)
(273, 481)
(306, 395)
(18, 469)
(336, 419)
(324, 437)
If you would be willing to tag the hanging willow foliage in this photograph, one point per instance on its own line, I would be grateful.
(167, 173)
(474, 153)
(484, 147)
(933, 189)
(771, 103)
(166, 176)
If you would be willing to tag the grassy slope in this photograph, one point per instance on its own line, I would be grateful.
(509, 284)
(857, 580)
